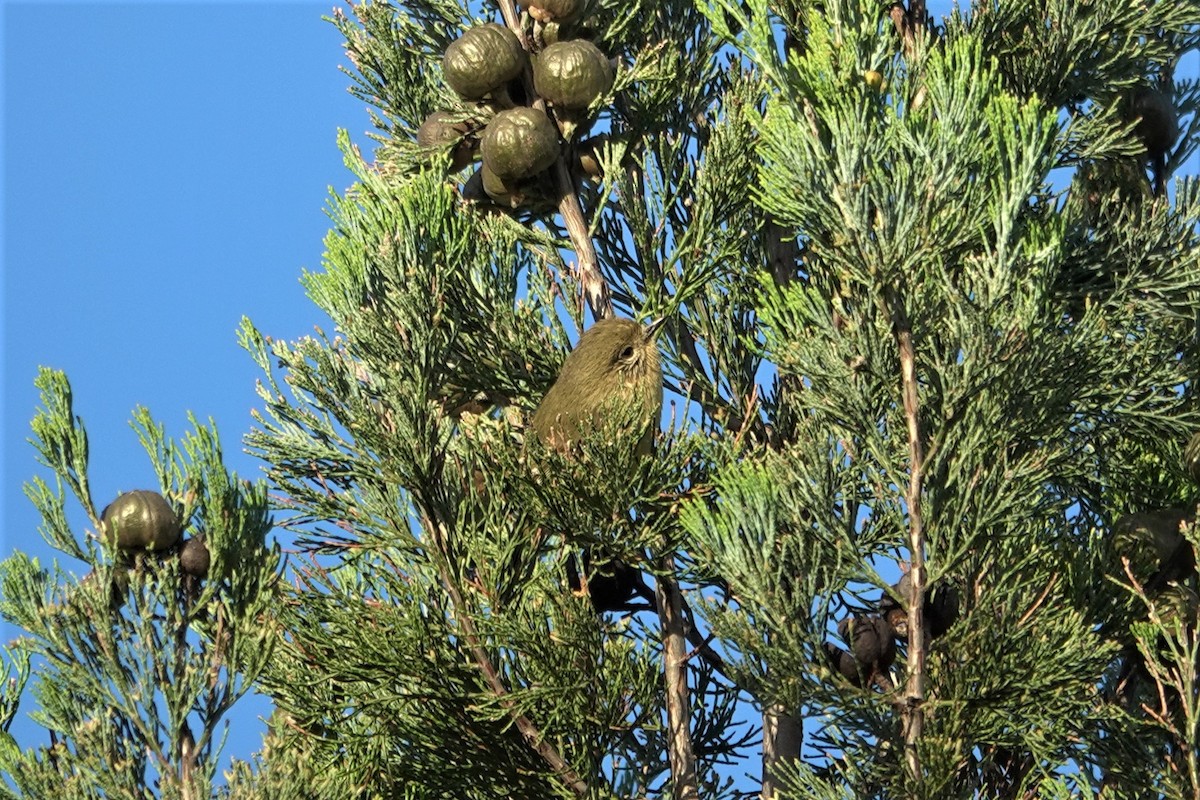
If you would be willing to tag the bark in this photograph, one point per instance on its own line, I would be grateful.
(913, 714)
(782, 736)
(679, 735)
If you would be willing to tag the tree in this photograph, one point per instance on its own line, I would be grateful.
(930, 310)
(140, 660)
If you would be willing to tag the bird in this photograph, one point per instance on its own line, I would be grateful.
(940, 611)
(614, 372)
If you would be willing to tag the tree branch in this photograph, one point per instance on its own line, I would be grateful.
(697, 392)
(508, 10)
(679, 737)
(913, 716)
(595, 287)
(531, 733)
(701, 646)
(908, 23)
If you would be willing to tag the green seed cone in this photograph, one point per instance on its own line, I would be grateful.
(519, 143)
(483, 59)
(140, 520)
(572, 74)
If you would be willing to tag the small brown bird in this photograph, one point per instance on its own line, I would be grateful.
(872, 650)
(870, 639)
(844, 664)
(613, 586)
(1155, 546)
(1157, 121)
(613, 374)
(614, 371)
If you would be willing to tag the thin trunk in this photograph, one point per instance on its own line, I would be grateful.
(679, 735)
(782, 736)
(913, 717)
(782, 732)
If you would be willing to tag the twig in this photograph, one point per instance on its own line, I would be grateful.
(509, 12)
(749, 417)
(711, 402)
(595, 287)
(701, 645)
(1037, 603)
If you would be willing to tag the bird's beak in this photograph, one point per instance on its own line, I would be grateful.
(652, 328)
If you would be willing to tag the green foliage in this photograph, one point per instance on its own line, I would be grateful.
(445, 543)
(795, 220)
(925, 311)
(137, 662)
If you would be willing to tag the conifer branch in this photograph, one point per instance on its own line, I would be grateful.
(529, 731)
(595, 287)
(697, 390)
(679, 737)
(702, 645)
(914, 691)
(715, 406)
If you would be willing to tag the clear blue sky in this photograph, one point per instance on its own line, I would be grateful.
(166, 167)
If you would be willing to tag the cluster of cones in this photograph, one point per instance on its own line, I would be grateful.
(872, 637)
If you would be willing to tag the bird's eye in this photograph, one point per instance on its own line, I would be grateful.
(627, 353)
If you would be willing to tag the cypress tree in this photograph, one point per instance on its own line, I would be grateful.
(918, 522)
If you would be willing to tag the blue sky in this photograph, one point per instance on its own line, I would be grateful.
(166, 167)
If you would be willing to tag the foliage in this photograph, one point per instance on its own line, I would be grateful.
(927, 313)
(137, 663)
